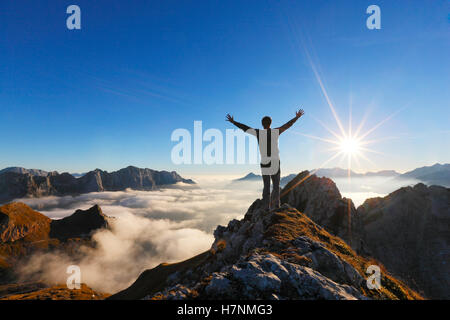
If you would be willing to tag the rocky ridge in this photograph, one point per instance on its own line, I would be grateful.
(320, 199)
(278, 254)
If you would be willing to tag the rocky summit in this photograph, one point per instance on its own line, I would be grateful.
(320, 200)
(278, 254)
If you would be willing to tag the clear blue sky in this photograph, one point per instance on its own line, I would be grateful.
(111, 94)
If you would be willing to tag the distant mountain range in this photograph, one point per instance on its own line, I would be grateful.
(342, 173)
(438, 174)
(19, 182)
(256, 177)
(35, 172)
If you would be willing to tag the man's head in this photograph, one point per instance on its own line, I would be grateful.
(266, 122)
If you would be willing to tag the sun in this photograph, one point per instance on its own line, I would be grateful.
(350, 145)
(346, 144)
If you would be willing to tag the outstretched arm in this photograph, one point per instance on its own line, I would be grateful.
(288, 124)
(237, 124)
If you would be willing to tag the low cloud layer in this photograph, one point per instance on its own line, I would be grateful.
(149, 228)
(362, 188)
(132, 245)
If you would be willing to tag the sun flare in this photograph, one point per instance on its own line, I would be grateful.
(349, 145)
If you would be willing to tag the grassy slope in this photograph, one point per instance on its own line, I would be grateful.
(59, 292)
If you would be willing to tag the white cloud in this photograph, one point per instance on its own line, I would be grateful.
(361, 188)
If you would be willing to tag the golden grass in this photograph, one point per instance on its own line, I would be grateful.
(4, 264)
(24, 223)
(59, 292)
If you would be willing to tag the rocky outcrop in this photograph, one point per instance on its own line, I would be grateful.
(280, 254)
(266, 276)
(24, 231)
(19, 221)
(408, 231)
(15, 185)
(320, 200)
(78, 225)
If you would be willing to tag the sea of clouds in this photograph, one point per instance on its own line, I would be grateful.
(149, 227)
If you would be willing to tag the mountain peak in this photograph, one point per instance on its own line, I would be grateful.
(320, 199)
(80, 224)
(248, 177)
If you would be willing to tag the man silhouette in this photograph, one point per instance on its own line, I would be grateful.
(270, 156)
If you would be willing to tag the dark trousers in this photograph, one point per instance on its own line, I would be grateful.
(274, 201)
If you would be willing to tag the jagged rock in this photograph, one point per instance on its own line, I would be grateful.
(176, 292)
(328, 263)
(219, 284)
(408, 231)
(266, 276)
(320, 199)
(78, 225)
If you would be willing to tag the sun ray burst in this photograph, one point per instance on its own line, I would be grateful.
(351, 146)
(326, 127)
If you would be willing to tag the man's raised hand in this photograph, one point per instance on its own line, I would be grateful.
(230, 118)
(299, 113)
